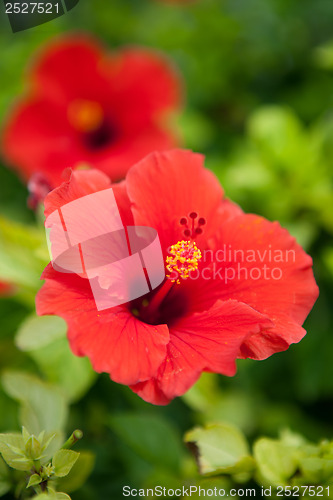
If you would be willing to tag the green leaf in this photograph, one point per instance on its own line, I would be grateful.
(235, 407)
(9, 443)
(79, 473)
(323, 55)
(220, 448)
(294, 440)
(316, 470)
(25, 434)
(39, 331)
(203, 393)
(5, 485)
(316, 463)
(47, 440)
(41, 437)
(278, 133)
(34, 480)
(56, 495)
(276, 461)
(43, 406)
(20, 253)
(62, 496)
(44, 338)
(16, 450)
(151, 437)
(63, 462)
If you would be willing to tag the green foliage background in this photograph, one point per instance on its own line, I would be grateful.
(258, 86)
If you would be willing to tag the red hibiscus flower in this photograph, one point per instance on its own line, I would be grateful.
(201, 318)
(84, 105)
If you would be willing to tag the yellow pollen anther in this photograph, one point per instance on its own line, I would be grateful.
(184, 258)
(85, 116)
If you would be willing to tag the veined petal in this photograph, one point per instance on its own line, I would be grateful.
(115, 341)
(164, 187)
(259, 263)
(206, 341)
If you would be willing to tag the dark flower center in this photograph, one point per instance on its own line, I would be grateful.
(172, 307)
(101, 137)
(166, 304)
(88, 118)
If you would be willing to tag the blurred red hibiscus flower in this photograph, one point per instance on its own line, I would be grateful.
(159, 344)
(84, 105)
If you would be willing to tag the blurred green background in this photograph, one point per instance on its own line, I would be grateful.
(258, 84)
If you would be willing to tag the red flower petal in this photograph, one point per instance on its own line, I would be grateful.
(80, 183)
(207, 341)
(67, 66)
(164, 187)
(143, 80)
(130, 147)
(115, 341)
(149, 391)
(84, 182)
(286, 301)
(37, 137)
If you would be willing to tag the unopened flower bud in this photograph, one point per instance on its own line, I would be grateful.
(33, 448)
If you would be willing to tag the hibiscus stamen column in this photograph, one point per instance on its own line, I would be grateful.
(184, 258)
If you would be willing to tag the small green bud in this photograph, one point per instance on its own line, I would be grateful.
(33, 448)
(47, 471)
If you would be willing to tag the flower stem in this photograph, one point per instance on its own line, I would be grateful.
(74, 438)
